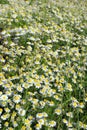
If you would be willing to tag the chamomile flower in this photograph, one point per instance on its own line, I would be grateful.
(57, 97)
(4, 97)
(38, 85)
(1, 110)
(65, 121)
(10, 128)
(7, 110)
(75, 104)
(81, 105)
(69, 114)
(23, 127)
(85, 126)
(85, 99)
(51, 103)
(45, 114)
(17, 107)
(38, 126)
(1, 93)
(81, 125)
(21, 112)
(6, 124)
(41, 121)
(69, 87)
(27, 122)
(39, 115)
(15, 124)
(42, 104)
(58, 111)
(52, 123)
(16, 98)
(69, 125)
(19, 89)
(5, 116)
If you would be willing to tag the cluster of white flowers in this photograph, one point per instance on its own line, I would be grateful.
(43, 64)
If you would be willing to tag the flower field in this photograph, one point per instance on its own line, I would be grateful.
(43, 65)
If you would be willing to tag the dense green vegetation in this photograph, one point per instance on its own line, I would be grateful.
(43, 65)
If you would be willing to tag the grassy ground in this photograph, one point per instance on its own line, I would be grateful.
(43, 65)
